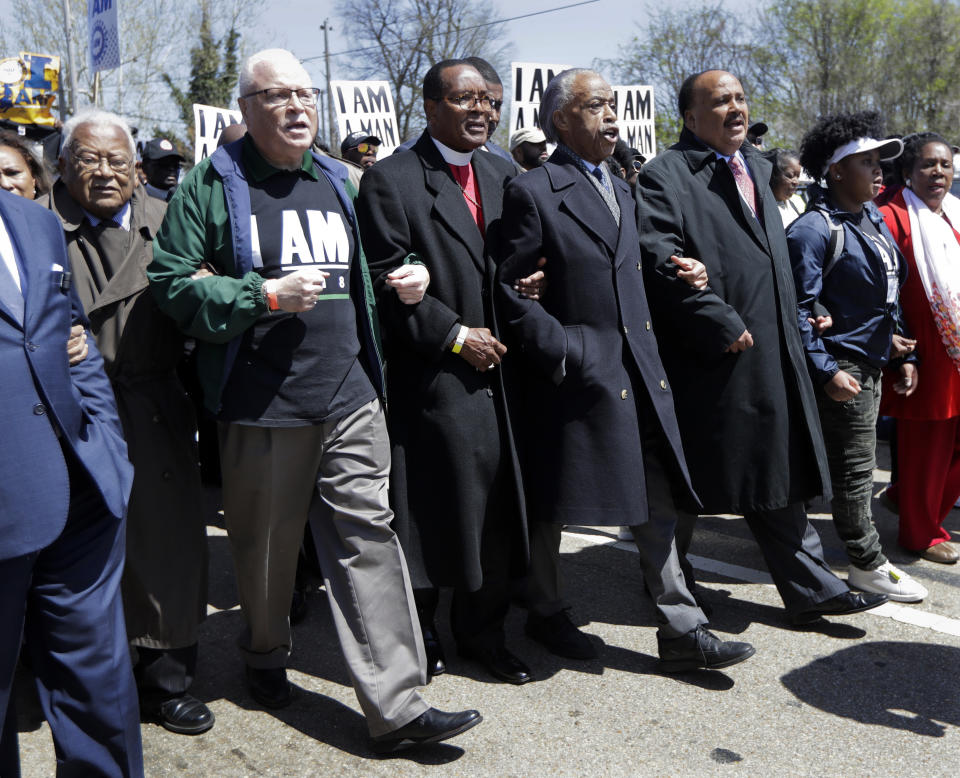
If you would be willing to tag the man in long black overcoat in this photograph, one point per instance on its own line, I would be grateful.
(732, 351)
(598, 435)
(455, 485)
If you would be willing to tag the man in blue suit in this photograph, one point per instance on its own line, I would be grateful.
(64, 484)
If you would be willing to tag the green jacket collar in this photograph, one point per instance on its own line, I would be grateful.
(258, 169)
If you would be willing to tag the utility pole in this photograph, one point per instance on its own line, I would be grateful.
(331, 127)
(321, 113)
(70, 109)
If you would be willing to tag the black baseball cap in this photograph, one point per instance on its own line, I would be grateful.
(160, 148)
(354, 139)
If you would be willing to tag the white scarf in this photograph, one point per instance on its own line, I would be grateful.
(937, 255)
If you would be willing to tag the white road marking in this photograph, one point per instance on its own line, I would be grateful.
(907, 614)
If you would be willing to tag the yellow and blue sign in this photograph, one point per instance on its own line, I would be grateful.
(29, 83)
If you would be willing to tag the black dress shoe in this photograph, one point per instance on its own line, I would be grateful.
(269, 686)
(842, 604)
(436, 661)
(184, 715)
(560, 636)
(700, 649)
(429, 727)
(500, 663)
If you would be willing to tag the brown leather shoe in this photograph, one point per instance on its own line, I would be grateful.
(945, 553)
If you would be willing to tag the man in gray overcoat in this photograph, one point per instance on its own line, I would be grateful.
(745, 405)
(109, 224)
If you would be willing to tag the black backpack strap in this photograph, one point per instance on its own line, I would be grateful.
(835, 249)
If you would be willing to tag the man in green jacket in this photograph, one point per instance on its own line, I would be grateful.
(259, 259)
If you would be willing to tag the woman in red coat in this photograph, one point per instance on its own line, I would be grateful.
(924, 218)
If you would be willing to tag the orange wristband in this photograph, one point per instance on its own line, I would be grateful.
(273, 304)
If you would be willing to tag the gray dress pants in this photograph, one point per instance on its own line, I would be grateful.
(677, 611)
(335, 473)
(790, 547)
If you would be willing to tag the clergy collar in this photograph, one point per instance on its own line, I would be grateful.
(121, 218)
(451, 157)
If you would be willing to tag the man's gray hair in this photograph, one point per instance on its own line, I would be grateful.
(98, 119)
(278, 57)
(556, 97)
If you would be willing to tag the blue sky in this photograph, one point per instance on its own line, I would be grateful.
(574, 36)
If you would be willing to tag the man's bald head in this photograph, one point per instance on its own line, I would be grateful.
(713, 107)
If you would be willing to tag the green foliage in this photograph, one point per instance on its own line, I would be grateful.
(921, 66)
(213, 75)
(821, 56)
(799, 59)
(672, 44)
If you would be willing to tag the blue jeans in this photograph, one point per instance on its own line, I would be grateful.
(850, 435)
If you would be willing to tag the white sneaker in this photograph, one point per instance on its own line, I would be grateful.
(888, 580)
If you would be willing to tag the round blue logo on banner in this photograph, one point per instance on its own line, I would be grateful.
(98, 42)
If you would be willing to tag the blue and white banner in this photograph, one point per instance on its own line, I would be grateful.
(104, 34)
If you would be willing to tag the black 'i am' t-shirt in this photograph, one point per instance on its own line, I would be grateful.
(298, 368)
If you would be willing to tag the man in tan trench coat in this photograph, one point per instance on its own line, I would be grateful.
(109, 224)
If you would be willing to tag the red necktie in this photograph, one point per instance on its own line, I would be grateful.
(463, 175)
(744, 183)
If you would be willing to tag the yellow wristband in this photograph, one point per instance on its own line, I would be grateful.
(461, 337)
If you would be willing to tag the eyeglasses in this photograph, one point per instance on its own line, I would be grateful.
(363, 148)
(277, 96)
(90, 162)
(468, 102)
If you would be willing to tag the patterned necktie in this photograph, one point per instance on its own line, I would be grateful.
(606, 190)
(744, 183)
(598, 174)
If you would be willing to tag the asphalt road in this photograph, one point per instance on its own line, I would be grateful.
(871, 694)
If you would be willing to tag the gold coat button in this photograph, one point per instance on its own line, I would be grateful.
(648, 325)
(623, 395)
(663, 384)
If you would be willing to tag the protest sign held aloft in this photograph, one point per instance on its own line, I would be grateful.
(29, 85)
(529, 81)
(635, 117)
(366, 106)
(208, 123)
(104, 34)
